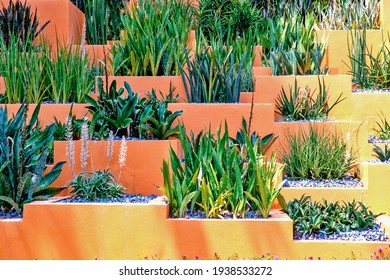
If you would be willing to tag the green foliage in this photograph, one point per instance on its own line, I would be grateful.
(383, 129)
(95, 12)
(155, 36)
(215, 75)
(24, 151)
(382, 154)
(94, 185)
(215, 176)
(369, 70)
(350, 14)
(231, 20)
(263, 143)
(314, 217)
(19, 21)
(44, 75)
(127, 115)
(317, 155)
(290, 47)
(70, 75)
(305, 104)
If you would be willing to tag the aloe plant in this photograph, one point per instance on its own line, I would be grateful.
(24, 151)
(305, 103)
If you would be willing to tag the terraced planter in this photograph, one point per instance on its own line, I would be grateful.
(267, 88)
(141, 173)
(80, 231)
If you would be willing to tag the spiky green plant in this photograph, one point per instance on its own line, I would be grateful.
(317, 155)
(24, 151)
(18, 20)
(305, 104)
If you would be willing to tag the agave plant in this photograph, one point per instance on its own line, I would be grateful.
(24, 151)
(382, 154)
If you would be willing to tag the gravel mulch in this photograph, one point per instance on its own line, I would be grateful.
(346, 182)
(10, 215)
(378, 91)
(376, 140)
(375, 234)
(126, 198)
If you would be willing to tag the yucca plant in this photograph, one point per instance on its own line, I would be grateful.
(264, 177)
(18, 20)
(155, 36)
(290, 46)
(369, 70)
(215, 74)
(230, 20)
(350, 14)
(263, 143)
(24, 151)
(317, 155)
(304, 103)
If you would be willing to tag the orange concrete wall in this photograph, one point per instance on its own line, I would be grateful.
(135, 231)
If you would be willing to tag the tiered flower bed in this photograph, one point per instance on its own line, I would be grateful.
(55, 230)
(63, 230)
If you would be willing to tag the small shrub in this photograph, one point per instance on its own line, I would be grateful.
(91, 185)
(305, 104)
(24, 149)
(218, 177)
(314, 217)
(316, 155)
(383, 128)
(126, 114)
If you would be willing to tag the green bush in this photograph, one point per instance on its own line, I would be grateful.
(217, 176)
(155, 36)
(305, 104)
(314, 217)
(126, 114)
(317, 155)
(24, 149)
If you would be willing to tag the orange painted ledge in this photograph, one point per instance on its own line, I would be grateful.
(87, 231)
(49, 111)
(141, 173)
(202, 116)
(144, 84)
